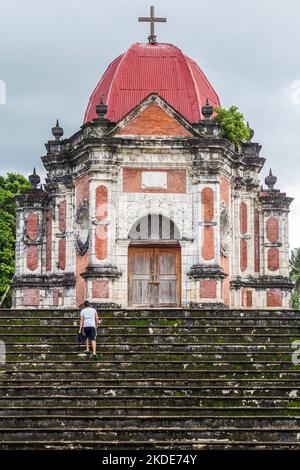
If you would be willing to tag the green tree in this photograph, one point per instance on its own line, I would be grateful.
(295, 276)
(11, 186)
(232, 124)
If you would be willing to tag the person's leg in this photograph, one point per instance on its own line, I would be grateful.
(94, 345)
(87, 344)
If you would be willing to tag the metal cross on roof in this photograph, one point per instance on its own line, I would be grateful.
(152, 20)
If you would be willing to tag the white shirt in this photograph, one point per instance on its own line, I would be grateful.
(89, 317)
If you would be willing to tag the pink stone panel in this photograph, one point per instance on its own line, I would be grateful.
(32, 257)
(207, 199)
(33, 226)
(101, 202)
(82, 189)
(62, 253)
(101, 241)
(256, 242)
(274, 298)
(243, 254)
(100, 289)
(81, 264)
(273, 259)
(132, 181)
(82, 192)
(208, 243)
(226, 280)
(224, 190)
(55, 297)
(62, 211)
(31, 297)
(249, 298)
(48, 240)
(208, 289)
(273, 229)
(243, 218)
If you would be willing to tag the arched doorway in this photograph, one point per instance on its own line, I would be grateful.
(154, 263)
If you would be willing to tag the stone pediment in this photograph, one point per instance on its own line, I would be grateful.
(155, 118)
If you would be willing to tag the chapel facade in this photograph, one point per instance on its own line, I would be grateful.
(148, 205)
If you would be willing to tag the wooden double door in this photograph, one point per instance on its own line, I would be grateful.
(154, 276)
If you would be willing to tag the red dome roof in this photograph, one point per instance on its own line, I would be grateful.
(152, 68)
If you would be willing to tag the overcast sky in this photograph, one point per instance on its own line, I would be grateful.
(53, 52)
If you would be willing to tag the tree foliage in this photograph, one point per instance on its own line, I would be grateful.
(11, 186)
(232, 124)
(295, 276)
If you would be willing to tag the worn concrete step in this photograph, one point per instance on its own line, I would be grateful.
(156, 329)
(162, 433)
(44, 338)
(157, 312)
(170, 344)
(165, 444)
(204, 402)
(125, 321)
(235, 365)
(163, 356)
(192, 421)
(145, 374)
(216, 413)
(186, 381)
(147, 390)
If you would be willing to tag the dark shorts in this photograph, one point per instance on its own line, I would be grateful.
(90, 333)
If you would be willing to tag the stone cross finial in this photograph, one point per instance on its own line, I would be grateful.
(152, 20)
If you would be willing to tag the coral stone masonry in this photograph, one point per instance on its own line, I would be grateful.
(148, 205)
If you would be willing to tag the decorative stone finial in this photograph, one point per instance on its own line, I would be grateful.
(251, 132)
(207, 110)
(270, 181)
(34, 179)
(101, 109)
(57, 131)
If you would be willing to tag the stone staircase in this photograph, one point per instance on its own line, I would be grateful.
(167, 379)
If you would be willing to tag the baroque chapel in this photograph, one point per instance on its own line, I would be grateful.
(148, 205)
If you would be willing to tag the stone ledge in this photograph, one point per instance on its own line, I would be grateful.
(43, 281)
(199, 271)
(106, 270)
(263, 282)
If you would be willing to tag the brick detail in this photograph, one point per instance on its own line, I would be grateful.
(33, 226)
(132, 181)
(48, 240)
(256, 242)
(82, 189)
(32, 257)
(274, 298)
(273, 259)
(31, 297)
(224, 190)
(208, 251)
(55, 297)
(101, 241)
(207, 200)
(100, 289)
(273, 229)
(249, 299)
(81, 264)
(62, 212)
(243, 218)
(153, 120)
(82, 192)
(62, 254)
(101, 202)
(208, 289)
(243, 254)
